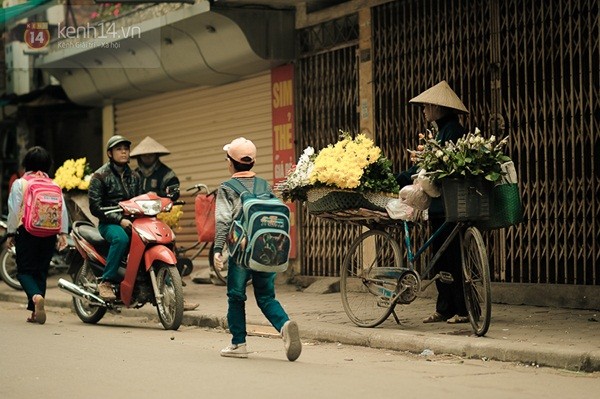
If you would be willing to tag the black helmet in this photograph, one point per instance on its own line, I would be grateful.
(114, 140)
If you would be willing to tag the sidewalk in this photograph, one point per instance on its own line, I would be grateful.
(554, 337)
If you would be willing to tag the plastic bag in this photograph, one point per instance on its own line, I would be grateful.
(415, 196)
(509, 173)
(397, 209)
(428, 186)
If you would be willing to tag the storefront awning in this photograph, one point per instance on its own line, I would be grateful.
(21, 11)
(193, 46)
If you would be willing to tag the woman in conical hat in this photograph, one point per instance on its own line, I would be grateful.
(441, 95)
(441, 108)
(156, 176)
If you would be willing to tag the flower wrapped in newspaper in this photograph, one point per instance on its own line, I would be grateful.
(73, 175)
(352, 173)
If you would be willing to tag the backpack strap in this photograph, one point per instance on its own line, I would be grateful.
(24, 183)
(236, 186)
(261, 187)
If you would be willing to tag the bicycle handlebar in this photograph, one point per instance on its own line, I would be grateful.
(198, 187)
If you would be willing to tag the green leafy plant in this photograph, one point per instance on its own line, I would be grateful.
(471, 156)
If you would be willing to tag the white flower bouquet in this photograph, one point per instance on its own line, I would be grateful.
(472, 156)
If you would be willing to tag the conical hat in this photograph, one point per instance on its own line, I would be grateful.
(440, 94)
(149, 146)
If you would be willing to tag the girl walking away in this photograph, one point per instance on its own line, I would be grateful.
(241, 154)
(36, 216)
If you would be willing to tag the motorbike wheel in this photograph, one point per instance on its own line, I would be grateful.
(85, 279)
(8, 269)
(170, 307)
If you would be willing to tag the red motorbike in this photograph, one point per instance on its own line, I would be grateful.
(149, 273)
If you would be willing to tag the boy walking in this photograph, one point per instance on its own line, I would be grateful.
(241, 155)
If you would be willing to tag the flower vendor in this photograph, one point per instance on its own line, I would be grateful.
(441, 108)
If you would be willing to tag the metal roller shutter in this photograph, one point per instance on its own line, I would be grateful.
(194, 125)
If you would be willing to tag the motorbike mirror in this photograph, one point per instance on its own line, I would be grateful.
(172, 190)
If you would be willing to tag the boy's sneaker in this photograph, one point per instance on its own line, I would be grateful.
(234, 350)
(291, 340)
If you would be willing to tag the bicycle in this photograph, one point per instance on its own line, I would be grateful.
(374, 279)
(199, 246)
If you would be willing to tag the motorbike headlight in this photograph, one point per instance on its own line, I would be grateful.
(150, 207)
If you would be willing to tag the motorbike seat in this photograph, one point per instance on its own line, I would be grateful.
(92, 235)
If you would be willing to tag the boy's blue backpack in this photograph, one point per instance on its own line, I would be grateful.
(259, 238)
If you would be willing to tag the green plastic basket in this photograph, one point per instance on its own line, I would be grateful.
(506, 208)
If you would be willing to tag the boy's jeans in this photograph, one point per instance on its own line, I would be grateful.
(264, 291)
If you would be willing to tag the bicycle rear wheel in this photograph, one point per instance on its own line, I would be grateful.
(369, 278)
(221, 275)
(8, 268)
(476, 281)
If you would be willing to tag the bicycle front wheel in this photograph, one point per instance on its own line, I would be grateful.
(369, 278)
(476, 281)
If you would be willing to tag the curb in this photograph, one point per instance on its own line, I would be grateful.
(466, 347)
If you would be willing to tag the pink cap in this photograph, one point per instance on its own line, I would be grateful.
(241, 150)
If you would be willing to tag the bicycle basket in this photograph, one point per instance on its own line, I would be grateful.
(466, 199)
(331, 200)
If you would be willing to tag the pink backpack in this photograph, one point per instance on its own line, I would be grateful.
(42, 205)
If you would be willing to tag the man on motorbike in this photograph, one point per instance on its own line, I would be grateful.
(157, 177)
(111, 183)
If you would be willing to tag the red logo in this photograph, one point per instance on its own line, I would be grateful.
(37, 35)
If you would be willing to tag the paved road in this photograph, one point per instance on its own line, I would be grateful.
(555, 337)
(132, 357)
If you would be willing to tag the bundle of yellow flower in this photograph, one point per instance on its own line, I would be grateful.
(352, 173)
(172, 217)
(73, 175)
(343, 164)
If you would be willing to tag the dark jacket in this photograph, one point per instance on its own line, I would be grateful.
(449, 129)
(107, 188)
(161, 178)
